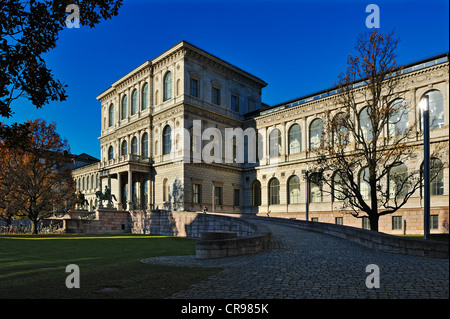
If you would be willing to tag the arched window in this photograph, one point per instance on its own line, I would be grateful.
(124, 149)
(111, 115)
(165, 190)
(294, 190)
(274, 191)
(338, 187)
(398, 174)
(167, 140)
(315, 188)
(436, 177)
(398, 121)
(134, 102)
(275, 143)
(365, 124)
(144, 145)
(436, 107)
(134, 146)
(364, 186)
(256, 193)
(110, 153)
(295, 139)
(340, 132)
(144, 104)
(315, 134)
(124, 113)
(168, 86)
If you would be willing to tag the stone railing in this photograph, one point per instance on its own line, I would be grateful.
(218, 236)
(375, 240)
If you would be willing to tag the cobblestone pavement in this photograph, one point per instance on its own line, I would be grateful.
(311, 265)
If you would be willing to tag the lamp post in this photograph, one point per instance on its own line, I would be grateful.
(424, 106)
(307, 192)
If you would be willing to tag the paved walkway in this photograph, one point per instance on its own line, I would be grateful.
(310, 265)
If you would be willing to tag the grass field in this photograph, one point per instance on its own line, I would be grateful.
(35, 266)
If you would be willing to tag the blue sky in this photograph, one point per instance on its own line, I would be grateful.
(297, 47)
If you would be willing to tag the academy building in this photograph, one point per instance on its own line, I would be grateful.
(149, 144)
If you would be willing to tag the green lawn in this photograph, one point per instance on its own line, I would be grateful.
(34, 266)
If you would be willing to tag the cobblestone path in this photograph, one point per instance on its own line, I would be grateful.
(311, 265)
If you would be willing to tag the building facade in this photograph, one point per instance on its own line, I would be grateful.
(164, 143)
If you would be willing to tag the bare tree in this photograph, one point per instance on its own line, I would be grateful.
(366, 141)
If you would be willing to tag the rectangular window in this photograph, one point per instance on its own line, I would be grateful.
(339, 221)
(251, 105)
(434, 222)
(218, 195)
(216, 96)
(234, 103)
(195, 88)
(396, 222)
(365, 223)
(196, 193)
(237, 197)
(315, 219)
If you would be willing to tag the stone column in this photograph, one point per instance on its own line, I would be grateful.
(119, 196)
(130, 190)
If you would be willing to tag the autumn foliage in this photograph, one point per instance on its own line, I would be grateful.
(35, 173)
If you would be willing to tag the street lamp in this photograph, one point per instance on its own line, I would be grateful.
(424, 106)
(307, 191)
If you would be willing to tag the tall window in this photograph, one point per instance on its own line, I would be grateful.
(251, 105)
(340, 132)
(294, 190)
(398, 121)
(110, 153)
(167, 140)
(124, 114)
(436, 177)
(274, 192)
(436, 106)
(366, 124)
(364, 186)
(315, 134)
(111, 115)
(165, 190)
(315, 188)
(145, 193)
(338, 187)
(144, 145)
(195, 90)
(218, 195)
(144, 104)
(124, 150)
(216, 96)
(168, 86)
(235, 103)
(397, 177)
(256, 193)
(275, 143)
(295, 139)
(196, 193)
(236, 197)
(134, 146)
(134, 102)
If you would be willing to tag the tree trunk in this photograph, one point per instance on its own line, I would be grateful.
(34, 227)
(373, 219)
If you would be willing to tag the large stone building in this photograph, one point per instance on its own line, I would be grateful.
(158, 121)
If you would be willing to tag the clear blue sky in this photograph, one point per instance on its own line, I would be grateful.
(297, 47)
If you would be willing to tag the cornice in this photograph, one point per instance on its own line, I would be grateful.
(413, 79)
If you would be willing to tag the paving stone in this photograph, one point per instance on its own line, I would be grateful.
(312, 265)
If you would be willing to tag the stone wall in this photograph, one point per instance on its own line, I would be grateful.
(186, 224)
(106, 221)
